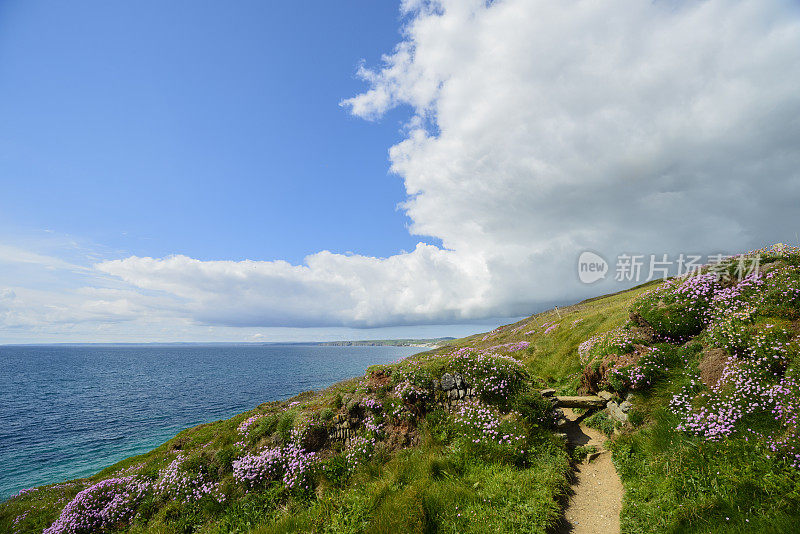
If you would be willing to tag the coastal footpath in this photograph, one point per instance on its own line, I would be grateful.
(686, 389)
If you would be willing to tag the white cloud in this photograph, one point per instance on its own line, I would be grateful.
(540, 129)
(423, 286)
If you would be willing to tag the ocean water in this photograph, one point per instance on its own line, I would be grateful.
(69, 411)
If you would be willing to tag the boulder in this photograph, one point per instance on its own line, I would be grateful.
(448, 381)
(459, 380)
(605, 395)
(613, 410)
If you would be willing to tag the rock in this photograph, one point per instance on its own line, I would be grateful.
(461, 393)
(436, 384)
(547, 392)
(613, 410)
(448, 381)
(591, 401)
(459, 380)
(625, 406)
(605, 395)
(562, 424)
(453, 394)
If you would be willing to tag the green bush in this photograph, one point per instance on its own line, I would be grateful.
(264, 427)
(602, 422)
(678, 308)
(285, 425)
(536, 410)
(581, 452)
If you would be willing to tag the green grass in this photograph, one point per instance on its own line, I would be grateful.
(678, 483)
(434, 488)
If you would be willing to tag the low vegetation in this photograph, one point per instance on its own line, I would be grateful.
(709, 361)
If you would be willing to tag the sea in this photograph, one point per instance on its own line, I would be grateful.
(69, 411)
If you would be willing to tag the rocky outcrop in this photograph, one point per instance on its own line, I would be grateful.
(618, 411)
(452, 388)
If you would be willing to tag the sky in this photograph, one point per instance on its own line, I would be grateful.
(263, 171)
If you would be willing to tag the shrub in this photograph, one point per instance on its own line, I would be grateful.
(534, 409)
(617, 341)
(678, 308)
(291, 464)
(187, 479)
(496, 377)
(109, 504)
(602, 422)
(496, 436)
(580, 452)
(653, 364)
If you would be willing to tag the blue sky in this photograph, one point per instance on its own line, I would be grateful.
(264, 171)
(202, 128)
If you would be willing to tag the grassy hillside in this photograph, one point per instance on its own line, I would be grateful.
(711, 444)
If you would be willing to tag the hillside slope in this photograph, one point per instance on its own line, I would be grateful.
(459, 439)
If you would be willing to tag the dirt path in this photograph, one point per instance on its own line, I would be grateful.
(596, 502)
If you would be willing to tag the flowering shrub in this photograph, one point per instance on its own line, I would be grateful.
(511, 347)
(743, 390)
(678, 308)
(257, 469)
(617, 341)
(290, 464)
(373, 405)
(109, 504)
(373, 424)
(411, 394)
(175, 482)
(730, 331)
(634, 376)
(245, 425)
(483, 425)
(496, 377)
(359, 450)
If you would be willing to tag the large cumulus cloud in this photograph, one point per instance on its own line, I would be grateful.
(540, 129)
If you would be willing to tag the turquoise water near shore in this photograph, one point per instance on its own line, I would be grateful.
(69, 411)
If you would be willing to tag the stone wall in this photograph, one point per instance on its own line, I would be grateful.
(344, 427)
(449, 390)
(452, 388)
